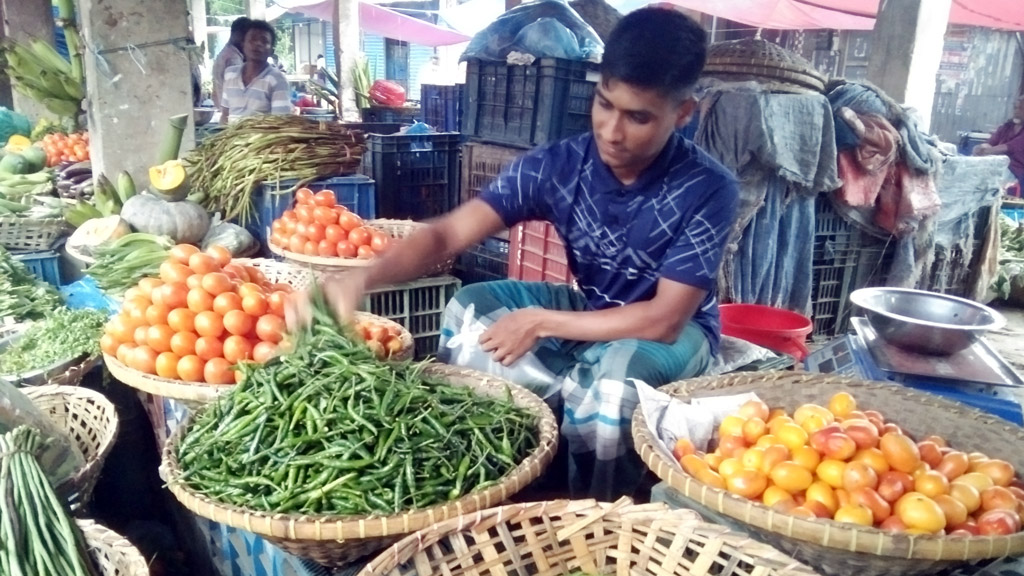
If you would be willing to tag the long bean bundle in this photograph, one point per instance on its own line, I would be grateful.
(227, 167)
(330, 430)
(37, 535)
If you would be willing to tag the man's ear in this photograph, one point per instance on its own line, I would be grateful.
(686, 110)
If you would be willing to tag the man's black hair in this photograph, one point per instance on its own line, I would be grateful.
(656, 49)
(240, 25)
(266, 27)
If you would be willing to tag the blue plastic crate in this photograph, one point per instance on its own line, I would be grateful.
(44, 264)
(357, 193)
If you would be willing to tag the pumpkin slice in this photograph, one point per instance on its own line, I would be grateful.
(169, 181)
(17, 143)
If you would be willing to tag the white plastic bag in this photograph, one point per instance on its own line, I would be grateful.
(528, 371)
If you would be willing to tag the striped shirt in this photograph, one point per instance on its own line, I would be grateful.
(268, 93)
(672, 223)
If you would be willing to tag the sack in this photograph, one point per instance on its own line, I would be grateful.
(528, 371)
(544, 29)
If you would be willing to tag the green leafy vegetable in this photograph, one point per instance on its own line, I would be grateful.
(63, 335)
(22, 295)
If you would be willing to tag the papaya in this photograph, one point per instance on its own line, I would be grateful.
(15, 164)
(35, 156)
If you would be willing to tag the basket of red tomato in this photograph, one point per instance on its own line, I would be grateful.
(318, 231)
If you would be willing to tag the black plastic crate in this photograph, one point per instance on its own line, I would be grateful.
(392, 114)
(527, 105)
(418, 306)
(484, 262)
(835, 258)
(481, 164)
(441, 106)
(417, 175)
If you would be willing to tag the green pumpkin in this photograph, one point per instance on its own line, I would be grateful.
(185, 222)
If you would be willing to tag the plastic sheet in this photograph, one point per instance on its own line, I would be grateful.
(543, 29)
(59, 457)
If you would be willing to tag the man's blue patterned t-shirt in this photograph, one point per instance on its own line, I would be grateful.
(672, 222)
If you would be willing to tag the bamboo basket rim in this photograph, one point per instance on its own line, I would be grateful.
(331, 530)
(115, 548)
(79, 487)
(203, 392)
(615, 518)
(828, 533)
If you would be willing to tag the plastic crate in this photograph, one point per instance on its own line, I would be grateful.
(236, 552)
(45, 264)
(536, 254)
(354, 192)
(417, 305)
(834, 261)
(1015, 214)
(375, 127)
(484, 262)
(527, 105)
(441, 106)
(481, 164)
(416, 174)
(392, 114)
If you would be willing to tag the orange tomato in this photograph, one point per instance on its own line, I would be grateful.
(276, 302)
(209, 347)
(217, 283)
(109, 344)
(239, 323)
(967, 495)
(930, 453)
(270, 328)
(998, 498)
(226, 302)
(190, 368)
(199, 300)
(264, 351)
(194, 281)
(325, 198)
(181, 320)
(167, 365)
(324, 216)
(807, 457)
(874, 458)
(791, 435)
(315, 232)
(304, 213)
(334, 233)
(894, 484)
(365, 252)
(209, 323)
(203, 263)
(303, 196)
(921, 512)
(863, 433)
(859, 474)
(147, 285)
(998, 523)
(345, 249)
(220, 254)
(900, 451)
(184, 343)
(841, 404)
(359, 236)
(747, 482)
(1000, 471)
(832, 472)
(143, 359)
(218, 371)
(931, 483)
(174, 295)
(142, 335)
(855, 514)
(158, 337)
(296, 243)
(349, 221)
(125, 351)
(157, 314)
(171, 271)
(379, 242)
(953, 465)
(236, 271)
(820, 491)
(791, 477)
(326, 249)
(880, 509)
(754, 408)
(953, 509)
(237, 349)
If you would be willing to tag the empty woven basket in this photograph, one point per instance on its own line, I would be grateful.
(764, 62)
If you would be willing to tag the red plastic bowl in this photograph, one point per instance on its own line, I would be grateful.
(773, 328)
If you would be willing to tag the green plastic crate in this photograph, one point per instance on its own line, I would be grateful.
(418, 306)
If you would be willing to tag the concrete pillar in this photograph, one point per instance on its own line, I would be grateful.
(197, 13)
(137, 76)
(256, 9)
(906, 49)
(22, 20)
(346, 49)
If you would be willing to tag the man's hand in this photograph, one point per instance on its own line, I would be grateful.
(513, 335)
(344, 294)
(982, 150)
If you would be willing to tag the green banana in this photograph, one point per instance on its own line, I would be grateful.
(81, 213)
(125, 186)
(109, 191)
(48, 55)
(60, 107)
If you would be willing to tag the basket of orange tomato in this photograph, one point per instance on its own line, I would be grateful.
(851, 477)
(179, 335)
(319, 232)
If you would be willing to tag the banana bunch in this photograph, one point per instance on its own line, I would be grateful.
(42, 74)
(22, 187)
(107, 199)
(74, 180)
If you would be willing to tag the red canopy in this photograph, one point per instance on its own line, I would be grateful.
(849, 14)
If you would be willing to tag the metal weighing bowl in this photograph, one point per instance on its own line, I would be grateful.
(926, 322)
(202, 115)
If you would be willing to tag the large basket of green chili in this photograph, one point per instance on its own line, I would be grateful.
(332, 454)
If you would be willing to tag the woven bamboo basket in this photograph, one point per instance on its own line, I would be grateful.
(834, 547)
(114, 554)
(397, 229)
(298, 277)
(337, 540)
(195, 394)
(89, 419)
(71, 372)
(565, 536)
(29, 234)
(762, 61)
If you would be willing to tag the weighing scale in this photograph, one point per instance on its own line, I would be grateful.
(976, 376)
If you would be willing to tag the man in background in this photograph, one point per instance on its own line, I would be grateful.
(230, 56)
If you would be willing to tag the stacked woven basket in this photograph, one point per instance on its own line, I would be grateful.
(754, 59)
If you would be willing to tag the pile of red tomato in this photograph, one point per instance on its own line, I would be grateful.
(837, 462)
(319, 226)
(61, 147)
(203, 315)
